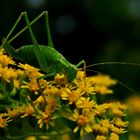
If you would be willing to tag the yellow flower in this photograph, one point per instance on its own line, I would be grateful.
(133, 104)
(33, 85)
(101, 89)
(85, 86)
(117, 130)
(52, 91)
(80, 75)
(135, 125)
(60, 79)
(31, 71)
(119, 123)
(100, 137)
(101, 109)
(46, 118)
(4, 121)
(74, 96)
(84, 120)
(5, 61)
(100, 129)
(64, 93)
(27, 110)
(85, 103)
(71, 95)
(7, 74)
(104, 80)
(12, 113)
(114, 136)
(106, 123)
(117, 109)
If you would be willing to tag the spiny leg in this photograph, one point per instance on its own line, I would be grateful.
(38, 52)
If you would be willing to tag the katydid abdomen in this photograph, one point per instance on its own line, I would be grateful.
(56, 62)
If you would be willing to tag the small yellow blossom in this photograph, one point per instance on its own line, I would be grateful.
(46, 118)
(101, 89)
(85, 103)
(7, 74)
(114, 136)
(52, 91)
(101, 109)
(117, 109)
(119, 123)
(64, 93)
(117, 130)
(100, 137)
(80, 75)
(100, 129)
(34, 86)
(103, 80)
(106, 123)
(12, 113)
(27, 110)
(84, 121)
(4, 121)
(5, 61)
(85, 86)
(60, 79)
(74, 96)
(31, 71)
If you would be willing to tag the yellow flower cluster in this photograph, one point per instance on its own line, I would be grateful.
(24, 93)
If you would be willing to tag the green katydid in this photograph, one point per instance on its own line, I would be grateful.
(45, 57)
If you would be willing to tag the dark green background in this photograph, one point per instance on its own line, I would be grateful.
(93, 30)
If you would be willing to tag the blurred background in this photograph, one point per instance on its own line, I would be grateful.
(93, 30)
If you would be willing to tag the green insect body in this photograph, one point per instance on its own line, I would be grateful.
(44, 57)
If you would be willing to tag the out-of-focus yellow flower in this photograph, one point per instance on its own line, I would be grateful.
(101, 89)
(104, 80)
(133, 103)
(135, 125)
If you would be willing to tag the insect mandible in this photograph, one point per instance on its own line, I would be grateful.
(44, 57)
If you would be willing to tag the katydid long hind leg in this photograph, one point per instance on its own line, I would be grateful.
(50, 42)
(9, 49)
(38, 52)
(25, 28)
